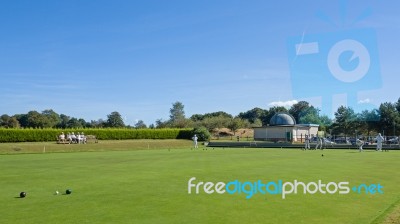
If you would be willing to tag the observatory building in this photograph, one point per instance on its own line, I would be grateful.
(283, 128)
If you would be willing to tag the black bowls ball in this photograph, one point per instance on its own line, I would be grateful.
(22, 194)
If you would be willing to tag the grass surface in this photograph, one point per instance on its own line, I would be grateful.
(104, 145)
(150, 186)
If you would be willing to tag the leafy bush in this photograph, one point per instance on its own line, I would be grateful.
(202, 133)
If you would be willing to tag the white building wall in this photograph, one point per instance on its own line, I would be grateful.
(298, 132)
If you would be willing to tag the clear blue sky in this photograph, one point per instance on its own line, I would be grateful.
(87, 59)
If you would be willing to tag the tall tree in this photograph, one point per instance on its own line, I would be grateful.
(257, 123)
(397, 104)
(177, 112)
(74, 123)
(50, 118)
(197, 117)
(9, 122)
(369, 121)
(235, 124)
(253, 115)
(177, 116)
(310, 115)
(35, 119)
(115, 120)
(4, 120)
(140, 124)
(325, 122)
(300, 110)
(84, 123)
(63, 121)
(389, 118)
(218, 114)
(13, 122)
(212, 123)
(100, 123)
(160, 123)
(345, 121)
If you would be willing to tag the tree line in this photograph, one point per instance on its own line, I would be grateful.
(385, 119)
(51, 119)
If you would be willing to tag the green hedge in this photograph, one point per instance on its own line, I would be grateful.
(43, 135)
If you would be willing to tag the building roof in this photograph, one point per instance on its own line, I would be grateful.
(280, 119)
(308, 125)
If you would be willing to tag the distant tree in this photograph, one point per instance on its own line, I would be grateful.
(218, 114)
(50, 118)
(311, 116)
(257, 123)
(177, 112)
(161, 124)
(235, 124)
(13, 122)
(325, 122)
(210, 121)
(397, 105)
(9, 122)
(300, 110)
(35, 119)
(114, 120)
(253, 115)
(213, 123)
(369, 121)
(277, 109)
(63, 121)
(100, 123)
(177, 116)
(181, 123)
(84, 123)
(22, 119)
(4, 120)
(197, 117)
(74, 123)
(271, 112)
(140, 124)
(345, 121)
(3, 117)
(389, 118)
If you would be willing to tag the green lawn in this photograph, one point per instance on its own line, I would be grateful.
(151, 186)
(103, 145)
